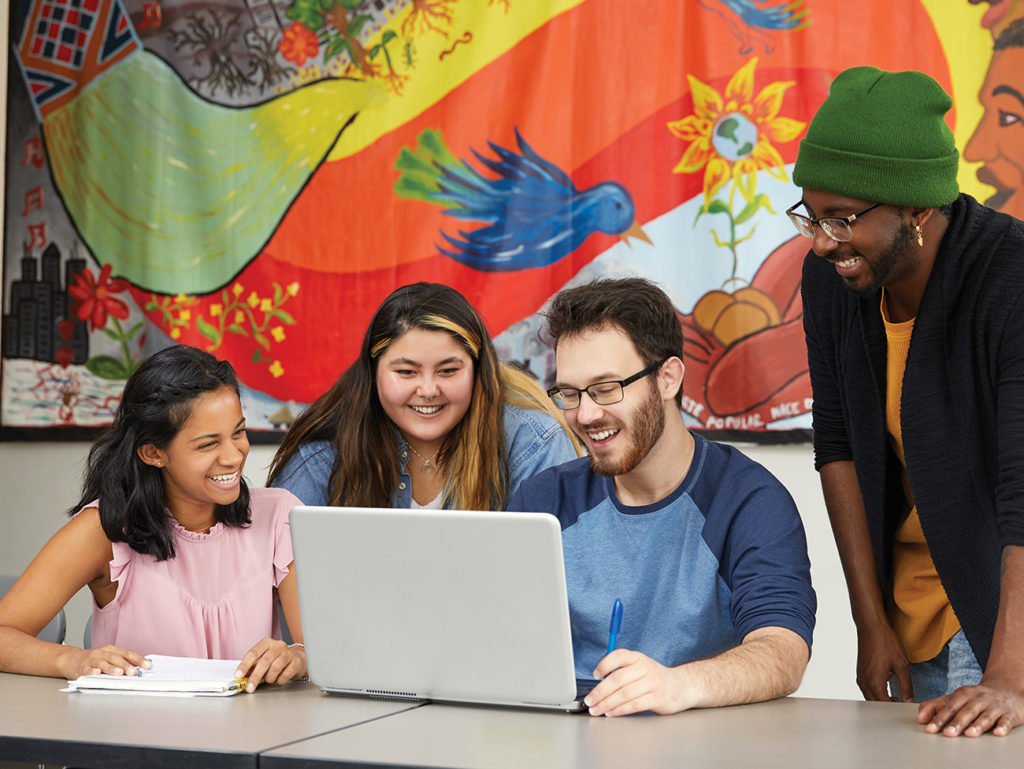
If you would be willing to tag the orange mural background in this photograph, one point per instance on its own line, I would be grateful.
(632, 97)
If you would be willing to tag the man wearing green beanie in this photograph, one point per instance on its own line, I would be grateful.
(914, 317)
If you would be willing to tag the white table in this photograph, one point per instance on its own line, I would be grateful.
(297, 727)
(789, 734)
(40, 724)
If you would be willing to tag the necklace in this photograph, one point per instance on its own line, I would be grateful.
(426, 462)
(203, 528)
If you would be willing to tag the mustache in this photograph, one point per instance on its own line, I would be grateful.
(598, 426)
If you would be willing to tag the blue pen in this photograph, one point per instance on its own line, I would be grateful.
(613, 630)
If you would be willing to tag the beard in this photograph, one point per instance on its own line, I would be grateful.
(891, 262)
(645, 428)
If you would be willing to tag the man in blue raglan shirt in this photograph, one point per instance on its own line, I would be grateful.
(703, 545)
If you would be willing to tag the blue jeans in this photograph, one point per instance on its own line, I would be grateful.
(951, 668)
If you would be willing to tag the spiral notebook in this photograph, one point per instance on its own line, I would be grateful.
(440, 605)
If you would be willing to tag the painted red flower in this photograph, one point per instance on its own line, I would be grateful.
(299, 43)
(94, 299)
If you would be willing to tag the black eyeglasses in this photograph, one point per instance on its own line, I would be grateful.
(836, 227)
(602, 393)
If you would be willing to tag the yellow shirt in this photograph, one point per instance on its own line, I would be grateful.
(921, 615)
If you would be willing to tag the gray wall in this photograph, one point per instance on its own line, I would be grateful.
(38, 481)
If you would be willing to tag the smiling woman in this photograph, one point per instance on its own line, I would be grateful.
(201, 465)
(180, 556)
(426, 416)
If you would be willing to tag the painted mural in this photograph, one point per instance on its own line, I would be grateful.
(253, 177)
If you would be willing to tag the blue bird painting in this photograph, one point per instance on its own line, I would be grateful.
(533, 213)
(745, 17)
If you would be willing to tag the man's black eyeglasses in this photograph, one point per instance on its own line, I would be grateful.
(836, 227)
(602, 393)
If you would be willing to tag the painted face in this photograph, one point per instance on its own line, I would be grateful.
(998, 140)
(882, 252)
(425, 384)
(1000, 14)
(202, 465)
(618, 436)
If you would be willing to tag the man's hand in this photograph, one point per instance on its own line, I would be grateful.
(997, 703)
(880, 656)
(768, 663)
(633, 682)
(973, 710)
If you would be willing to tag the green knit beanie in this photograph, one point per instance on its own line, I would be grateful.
(881, 136)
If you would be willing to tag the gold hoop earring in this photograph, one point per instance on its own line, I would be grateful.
(920, 235)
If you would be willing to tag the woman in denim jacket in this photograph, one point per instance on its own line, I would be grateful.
(426, 416)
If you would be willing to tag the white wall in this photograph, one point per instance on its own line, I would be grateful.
(38, 481)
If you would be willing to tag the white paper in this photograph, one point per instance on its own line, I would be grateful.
(170, 675)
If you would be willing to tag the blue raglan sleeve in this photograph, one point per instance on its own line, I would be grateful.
(535, 494)
(764, 559)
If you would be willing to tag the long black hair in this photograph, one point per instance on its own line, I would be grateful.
(156, 403)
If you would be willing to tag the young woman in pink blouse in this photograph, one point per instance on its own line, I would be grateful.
(181, 557)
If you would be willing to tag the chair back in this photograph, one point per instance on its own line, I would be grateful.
(285, 635)
(56, 628)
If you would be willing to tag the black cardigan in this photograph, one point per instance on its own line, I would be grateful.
(962, 412)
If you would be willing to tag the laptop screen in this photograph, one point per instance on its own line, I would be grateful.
(447, 605)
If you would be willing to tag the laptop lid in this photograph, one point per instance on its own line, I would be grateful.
(445, 605)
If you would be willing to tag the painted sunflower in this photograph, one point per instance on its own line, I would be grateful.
(733, 136)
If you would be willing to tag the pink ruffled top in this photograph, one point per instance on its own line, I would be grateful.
(214, 599)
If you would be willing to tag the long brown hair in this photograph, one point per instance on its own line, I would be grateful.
(473, 456)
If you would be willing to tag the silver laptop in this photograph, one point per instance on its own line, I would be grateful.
(442, 605)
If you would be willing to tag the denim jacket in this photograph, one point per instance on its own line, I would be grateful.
(534, 441)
